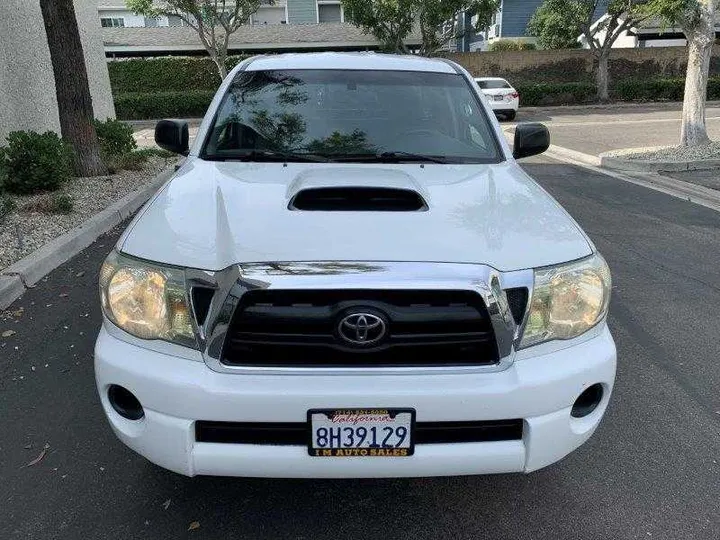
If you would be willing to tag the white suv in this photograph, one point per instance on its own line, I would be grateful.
(351, 276)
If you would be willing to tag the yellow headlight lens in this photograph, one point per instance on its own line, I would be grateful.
(136, 297)
(567, 300)
(146, 300)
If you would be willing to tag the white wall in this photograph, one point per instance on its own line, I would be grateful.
(131, 20)
(269, 15)
(27, 84)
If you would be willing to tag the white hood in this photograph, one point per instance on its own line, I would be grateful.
(215, 214)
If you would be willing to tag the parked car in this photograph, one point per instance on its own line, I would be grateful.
(503, 98)
(350, 276)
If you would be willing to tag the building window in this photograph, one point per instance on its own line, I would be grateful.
(176, 20)
(151, 22)
(112, 22)
(330, 12)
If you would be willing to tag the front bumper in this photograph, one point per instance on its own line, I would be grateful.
(176, 392)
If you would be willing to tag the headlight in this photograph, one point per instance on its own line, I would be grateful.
(567, 300)
(146, 300)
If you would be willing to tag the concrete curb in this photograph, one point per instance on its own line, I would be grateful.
(634, 165)
(26, 272)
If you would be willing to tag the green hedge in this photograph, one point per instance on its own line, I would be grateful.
(533, 95)
(147, 106)
(193, 104)
(166, 74)
(659, 89)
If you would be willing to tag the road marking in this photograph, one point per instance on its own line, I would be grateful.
(709, 198)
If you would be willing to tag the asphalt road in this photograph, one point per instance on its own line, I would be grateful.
(651, 471)
(595, 129)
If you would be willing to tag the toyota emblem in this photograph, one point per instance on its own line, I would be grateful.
(362, 328)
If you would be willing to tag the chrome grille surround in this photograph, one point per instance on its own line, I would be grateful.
(233, 282)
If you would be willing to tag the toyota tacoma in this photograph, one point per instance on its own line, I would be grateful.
(349, 275)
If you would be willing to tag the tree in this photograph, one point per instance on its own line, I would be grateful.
(558, 19)
(213, 20)
(75, 107)
(696, 18)
(439, 20)
(557, 24)
(389, 21)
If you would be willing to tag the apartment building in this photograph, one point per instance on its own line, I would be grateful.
(114, 14)
(282, 25)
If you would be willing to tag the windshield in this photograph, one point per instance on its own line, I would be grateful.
(493, 84)
(345, 115)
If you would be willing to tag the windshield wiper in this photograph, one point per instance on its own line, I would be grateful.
(395, 156)
(267, 155)
(402, 156)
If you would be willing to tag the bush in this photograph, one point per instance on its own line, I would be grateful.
(145, 106)
(61, 204)
(504, 45)
(55, 203)
(36, 162)
(116, 138)
(527, 46)
(166, 74)
(659, 89)
(532, 95)
(135, 160)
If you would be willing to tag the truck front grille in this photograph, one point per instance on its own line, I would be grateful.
(302, 328)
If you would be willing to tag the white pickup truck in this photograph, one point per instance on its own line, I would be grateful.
(350, 276)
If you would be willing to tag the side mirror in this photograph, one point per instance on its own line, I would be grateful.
(173, 136)
(530, 139)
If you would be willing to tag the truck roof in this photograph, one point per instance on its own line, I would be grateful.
(353, 61)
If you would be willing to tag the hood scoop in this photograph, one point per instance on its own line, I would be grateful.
(358, 199)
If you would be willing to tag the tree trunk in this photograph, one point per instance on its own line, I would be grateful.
(602, 77)
(71, 86)
(220, 63)
(700, 45)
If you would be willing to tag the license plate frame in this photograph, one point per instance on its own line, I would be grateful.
(359, 451)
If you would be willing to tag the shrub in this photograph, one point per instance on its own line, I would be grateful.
(135, 160)
(116, 137)
(659, 89)
(166, 74)
(3, 170)
(504, 45)
(52, 203)
(61, 203)
(532, 95)
(36, 162)
(527, 46)
(145, 106)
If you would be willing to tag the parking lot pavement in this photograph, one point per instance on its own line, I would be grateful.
(593, 130)
(651, 471)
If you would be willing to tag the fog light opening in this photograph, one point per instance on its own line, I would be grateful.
(587, 402)
(125, 403)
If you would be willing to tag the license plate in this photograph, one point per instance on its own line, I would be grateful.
(499, 98)
(361, 432)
